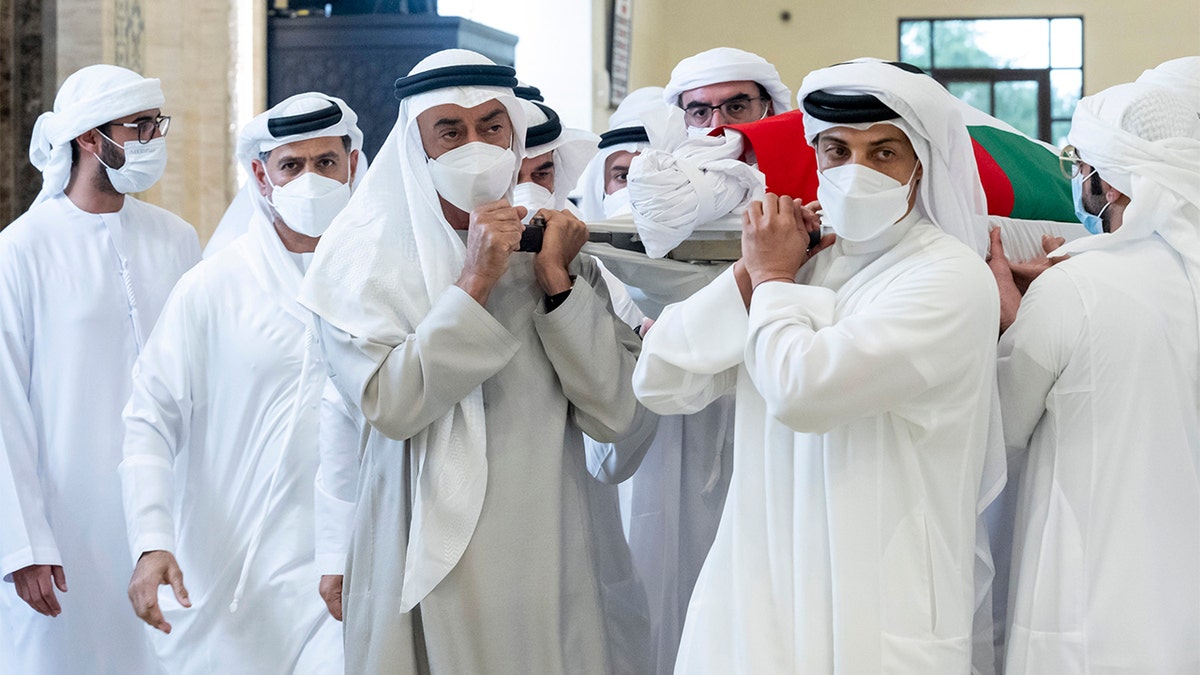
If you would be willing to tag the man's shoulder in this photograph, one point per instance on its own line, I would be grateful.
(227, 268)
(36, 223)
(1133, 272)
(150, 215)
(932, 245)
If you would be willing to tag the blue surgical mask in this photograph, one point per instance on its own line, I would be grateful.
(1092, 222)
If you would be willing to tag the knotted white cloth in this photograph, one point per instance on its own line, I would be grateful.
(628, 114)
(1181, 76)
(89, 97)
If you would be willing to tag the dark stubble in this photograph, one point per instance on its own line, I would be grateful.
(112, 157)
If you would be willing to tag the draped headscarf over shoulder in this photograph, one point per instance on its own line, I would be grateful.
(377, 272)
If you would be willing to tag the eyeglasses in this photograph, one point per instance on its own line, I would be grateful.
(146, 128)
(742, 108)
(1069, 161)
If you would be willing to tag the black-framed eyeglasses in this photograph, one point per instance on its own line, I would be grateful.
(740, 108)
(146, 128)
(1069, 161)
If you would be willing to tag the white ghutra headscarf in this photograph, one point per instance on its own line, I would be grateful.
(90, 97)
(629, 116)
(727, 64)
(572, 148)
(1181, 76)
(951, 194)
(1144, 140)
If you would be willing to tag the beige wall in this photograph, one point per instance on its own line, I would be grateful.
(1121, 38)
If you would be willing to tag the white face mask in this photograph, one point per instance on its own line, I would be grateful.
(144, 165)
(308, 203)
(860, 203)
(693, 132)
(473, 174)
(617, 204)
(533, 197)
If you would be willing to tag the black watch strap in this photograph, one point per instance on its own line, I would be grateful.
(553, 301)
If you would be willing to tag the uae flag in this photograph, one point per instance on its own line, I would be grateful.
(1020, 175)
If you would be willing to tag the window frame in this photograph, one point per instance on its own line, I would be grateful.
(992, 76)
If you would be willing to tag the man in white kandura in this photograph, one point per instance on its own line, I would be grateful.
(221, 430)
(679, 491)
(864, 379)
(478, 368)
(83, 276)
(1100, 385)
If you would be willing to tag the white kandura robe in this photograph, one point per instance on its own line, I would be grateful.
(342, 436)
(1098, 381)
(545, 584)
(220, 460)
(675, 498)
(78, 294)
(863, 394)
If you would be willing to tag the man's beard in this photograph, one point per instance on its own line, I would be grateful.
(110, 156)
(1093, 199)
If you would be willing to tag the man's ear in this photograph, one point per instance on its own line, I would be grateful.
(89, 141)
(1112, 195)
(353, 166)
(260, 177)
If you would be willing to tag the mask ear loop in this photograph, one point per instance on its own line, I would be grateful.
(1107, 203)
(269, 199)
(102, 162)
(912, 186)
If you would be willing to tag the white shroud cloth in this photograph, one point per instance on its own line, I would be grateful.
(78, 294)
(680, 182)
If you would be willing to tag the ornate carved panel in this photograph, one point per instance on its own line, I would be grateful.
(358, 58)
(26, 55)
(130, 27)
